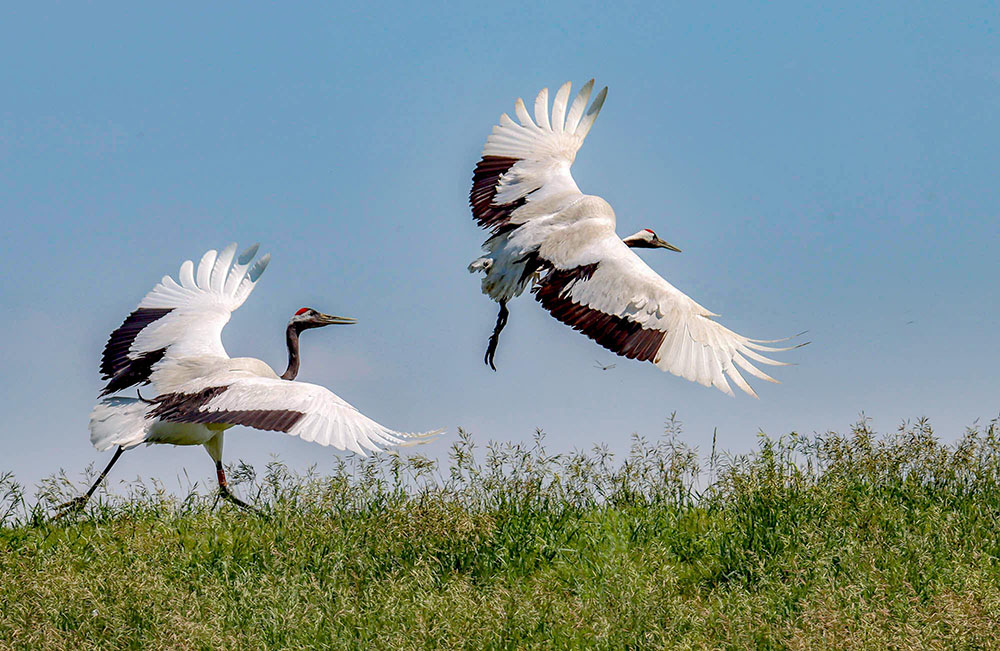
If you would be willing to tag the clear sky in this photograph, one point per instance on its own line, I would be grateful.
(824, 169)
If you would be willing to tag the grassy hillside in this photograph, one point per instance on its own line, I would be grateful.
(850, 541)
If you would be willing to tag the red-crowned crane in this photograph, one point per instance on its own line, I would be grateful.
(173, 341)
(545, 233)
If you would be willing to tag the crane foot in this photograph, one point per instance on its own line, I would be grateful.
(491, 349)
(75, 505)
(226, 495)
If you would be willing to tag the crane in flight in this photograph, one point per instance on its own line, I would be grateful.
(545, 233)
(173, 341)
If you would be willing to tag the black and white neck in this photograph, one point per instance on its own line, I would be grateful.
(292, 340)
(304, 319)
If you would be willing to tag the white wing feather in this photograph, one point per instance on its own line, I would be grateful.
(200, 305)
(546, 150)
(694, 346)
(327, 420)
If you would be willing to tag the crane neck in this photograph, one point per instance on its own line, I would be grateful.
(292, 339)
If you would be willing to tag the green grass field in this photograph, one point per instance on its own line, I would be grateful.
(837, 541)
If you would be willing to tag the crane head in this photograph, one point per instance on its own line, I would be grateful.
(647, 239)
(306, 318)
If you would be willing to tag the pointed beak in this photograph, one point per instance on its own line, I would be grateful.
(665, 245)
(327, 319)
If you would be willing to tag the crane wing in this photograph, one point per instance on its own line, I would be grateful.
(606, 291)
(309, 411)
(181, 319)
(531, 161)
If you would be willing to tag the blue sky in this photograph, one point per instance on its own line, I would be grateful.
(824, 169)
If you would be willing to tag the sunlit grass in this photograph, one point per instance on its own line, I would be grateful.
(852, 540)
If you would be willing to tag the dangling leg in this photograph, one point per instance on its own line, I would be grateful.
(214, 447)
(77, 503)
(495, 337)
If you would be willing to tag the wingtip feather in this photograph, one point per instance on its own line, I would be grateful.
(258, 268)
(249, 254)
(579, 104)
(588, 118)
(542, 109)
(522, 113)
(421, 439)
(559, 107)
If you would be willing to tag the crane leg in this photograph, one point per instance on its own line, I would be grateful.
(224, 490)
(77, 503)
(491, 349)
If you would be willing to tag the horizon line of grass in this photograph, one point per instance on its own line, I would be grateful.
(834, 540)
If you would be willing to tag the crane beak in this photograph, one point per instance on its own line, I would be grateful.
(327, 319)
(665, 245)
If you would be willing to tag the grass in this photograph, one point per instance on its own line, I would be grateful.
(833, 541)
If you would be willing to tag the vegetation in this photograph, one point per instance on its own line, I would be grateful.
(827, 541)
